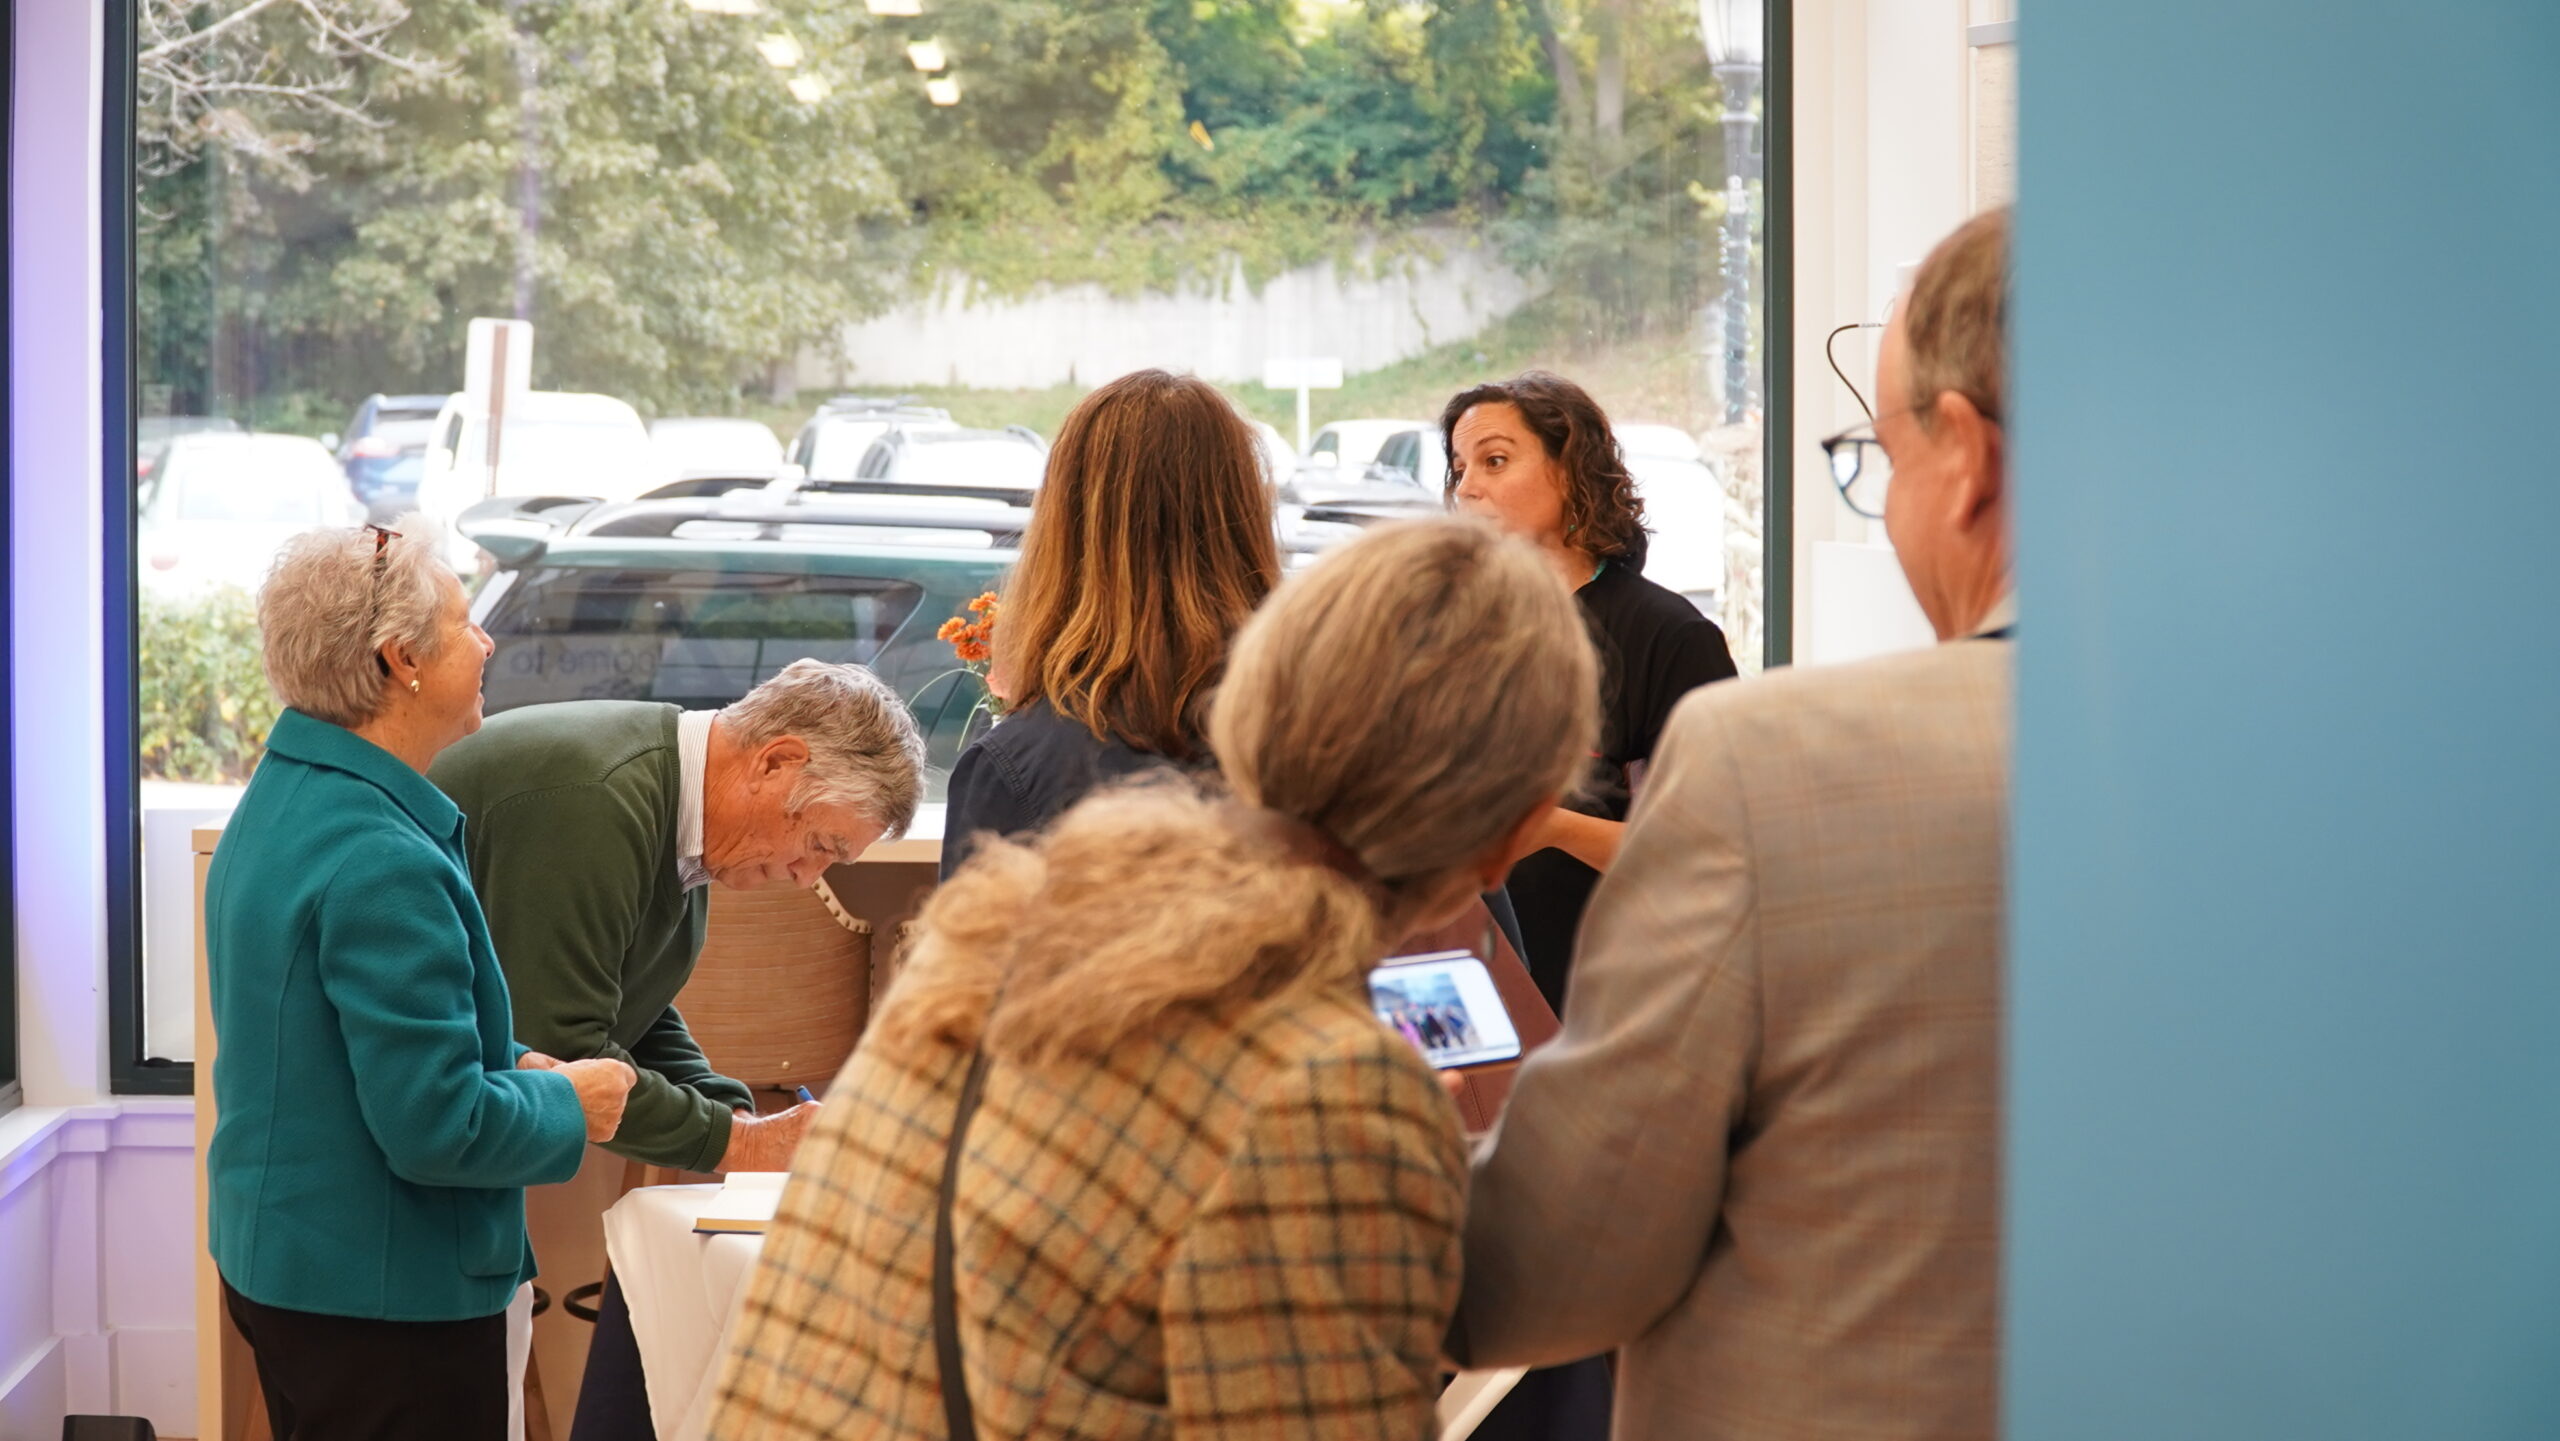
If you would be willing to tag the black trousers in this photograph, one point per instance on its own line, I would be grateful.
(341, 1378)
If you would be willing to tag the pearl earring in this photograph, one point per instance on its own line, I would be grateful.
(413, 686)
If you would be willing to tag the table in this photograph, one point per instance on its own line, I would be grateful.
(683, 1290)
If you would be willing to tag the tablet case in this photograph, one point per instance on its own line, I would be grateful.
(1486, 1087)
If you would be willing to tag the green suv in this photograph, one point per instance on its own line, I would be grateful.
(696, 601)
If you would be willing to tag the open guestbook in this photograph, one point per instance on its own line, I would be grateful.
(744, 1206)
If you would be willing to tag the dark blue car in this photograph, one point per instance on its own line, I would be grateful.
(385, 449)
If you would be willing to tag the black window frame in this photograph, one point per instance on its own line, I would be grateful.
(12, 1088)
(132, 1071)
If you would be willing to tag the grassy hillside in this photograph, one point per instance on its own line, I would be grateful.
(1657, 376)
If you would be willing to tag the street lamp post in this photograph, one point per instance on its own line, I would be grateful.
(1732, 29)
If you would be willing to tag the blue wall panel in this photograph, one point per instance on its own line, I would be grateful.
(2285, 1020)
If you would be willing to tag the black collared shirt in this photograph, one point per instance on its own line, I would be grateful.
(1654, 648)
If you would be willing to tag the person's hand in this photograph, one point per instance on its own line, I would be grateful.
(603, 1085)
(536, 1061)
(765, 1143)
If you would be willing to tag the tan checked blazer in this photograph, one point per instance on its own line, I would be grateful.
(1762, 1158)
(1220, 1232)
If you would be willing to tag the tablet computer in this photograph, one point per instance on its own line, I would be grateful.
(1445, 1003)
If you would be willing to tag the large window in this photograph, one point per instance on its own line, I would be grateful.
(420, 254)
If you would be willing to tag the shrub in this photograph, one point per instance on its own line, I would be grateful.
(206, 708)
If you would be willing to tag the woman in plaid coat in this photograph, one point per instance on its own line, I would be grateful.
(1205, 1192)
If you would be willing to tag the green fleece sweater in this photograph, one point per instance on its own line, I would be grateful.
(570, 828)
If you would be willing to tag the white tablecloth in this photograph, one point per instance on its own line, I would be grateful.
(683, 1290)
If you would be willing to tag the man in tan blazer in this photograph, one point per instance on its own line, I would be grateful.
(1762, 1160)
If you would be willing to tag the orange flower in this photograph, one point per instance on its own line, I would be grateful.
(985, 604)
(952, 629)
(971, 652)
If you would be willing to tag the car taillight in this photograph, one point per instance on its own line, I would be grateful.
(145, 466)
(165, 560)
(373, 447)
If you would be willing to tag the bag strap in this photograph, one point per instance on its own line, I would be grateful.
(959, 1420)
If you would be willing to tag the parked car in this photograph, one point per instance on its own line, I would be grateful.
(697, 600)
(1350, 444)
(831, 446)
(224, 502)
(1683, 506)
(1279, 458)
(700, 447)
(552, 443)
(152, 434)
(384, 443)
(1416, 456)
(948, 461)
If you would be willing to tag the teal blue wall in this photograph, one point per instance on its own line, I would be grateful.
(2285, 1046)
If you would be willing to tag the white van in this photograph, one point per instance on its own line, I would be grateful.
(556, 442)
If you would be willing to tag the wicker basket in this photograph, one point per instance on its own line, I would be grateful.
(783, 987)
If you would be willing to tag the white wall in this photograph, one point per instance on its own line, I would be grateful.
(59, 676)
(97, 1242)
(97, 1196)
(1886, 164)
(1222, 332)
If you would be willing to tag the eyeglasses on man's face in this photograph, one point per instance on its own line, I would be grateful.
(1860, 468)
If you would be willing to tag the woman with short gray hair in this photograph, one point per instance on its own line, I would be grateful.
(378, 1123)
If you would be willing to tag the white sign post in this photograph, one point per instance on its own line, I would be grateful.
(1302, 374)
(497, 369)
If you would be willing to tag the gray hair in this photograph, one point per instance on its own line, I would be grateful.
(1953, 324)
(864, 748)
(324, 617)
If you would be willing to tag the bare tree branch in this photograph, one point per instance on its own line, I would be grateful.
(229, 80)
(211, 32)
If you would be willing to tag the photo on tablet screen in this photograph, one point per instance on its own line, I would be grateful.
(1447, 1007)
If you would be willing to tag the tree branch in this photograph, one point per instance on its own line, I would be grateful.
(194, 38)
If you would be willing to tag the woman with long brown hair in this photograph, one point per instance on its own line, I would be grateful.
(1127, 1151)
(1150, 543)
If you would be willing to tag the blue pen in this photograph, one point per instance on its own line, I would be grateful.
(803, 1093)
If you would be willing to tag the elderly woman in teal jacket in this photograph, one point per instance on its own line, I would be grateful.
(378, 1123)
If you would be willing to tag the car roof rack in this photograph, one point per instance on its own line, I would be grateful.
(900, 405)
(770, 515)
(1009, 494)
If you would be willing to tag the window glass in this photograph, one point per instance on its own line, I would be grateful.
(827, 218)
(700, 639)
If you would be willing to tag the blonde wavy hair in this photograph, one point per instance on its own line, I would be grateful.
(1411, 698)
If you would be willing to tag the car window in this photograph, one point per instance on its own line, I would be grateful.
(1398, 451)
(694, 638)
(247, 497)
(1008, 464)
(452, 442)
(837, 446)
(1327, 443)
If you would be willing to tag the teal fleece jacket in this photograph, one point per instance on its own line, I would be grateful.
(374, 1137)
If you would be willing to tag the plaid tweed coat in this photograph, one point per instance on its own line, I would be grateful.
(1229, 1229)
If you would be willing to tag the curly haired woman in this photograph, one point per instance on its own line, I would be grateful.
(1535, 456)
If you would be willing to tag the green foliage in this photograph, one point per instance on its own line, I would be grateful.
(206, 709)
(693, 225)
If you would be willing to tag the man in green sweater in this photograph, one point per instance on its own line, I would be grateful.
(593, 829)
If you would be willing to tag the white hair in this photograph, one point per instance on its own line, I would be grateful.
(864, 749)
(327, 609)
